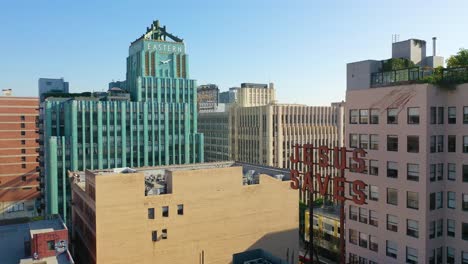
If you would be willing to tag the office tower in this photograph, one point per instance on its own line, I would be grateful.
(48, 85)
(215, 128)
(416, 136)
(155, 125)
(18, 157)
(255, 94)
(229, 97)
(183, 213)
(207, 95)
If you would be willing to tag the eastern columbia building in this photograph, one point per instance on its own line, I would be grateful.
(149, 120)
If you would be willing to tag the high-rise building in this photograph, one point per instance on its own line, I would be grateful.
(183, 213)
(255, 94)
(416, 136)
(48, 85)
(215, 128)
(156, 126)
(19, 149)
(229, 97)
(208, 97)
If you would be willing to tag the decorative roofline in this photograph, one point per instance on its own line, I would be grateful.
(158, 33)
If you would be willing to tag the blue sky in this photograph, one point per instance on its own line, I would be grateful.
(300, 45)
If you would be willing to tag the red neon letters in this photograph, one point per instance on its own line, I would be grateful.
(325, 155)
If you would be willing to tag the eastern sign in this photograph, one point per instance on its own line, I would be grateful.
(329, 157)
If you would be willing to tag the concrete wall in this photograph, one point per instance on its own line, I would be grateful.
(358, 74)
(221, 217)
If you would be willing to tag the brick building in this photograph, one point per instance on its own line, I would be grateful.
(18, 157)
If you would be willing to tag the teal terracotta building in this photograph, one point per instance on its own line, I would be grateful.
(156, 126)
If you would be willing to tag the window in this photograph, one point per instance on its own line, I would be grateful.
(440, 143)
(353, 212)
(451, 200)
(353, 116)
(392, 223)
(392, 196)
(23, 151)
(412, 228)
(180, 209)
(51, 245)
(452, 143)
(22, 118)
(439, 200)
(433, 144)
(373, 244)
(440, 227)
(374, 142)
(374, 193)
(465, 231)
(465, 202)
(465, 173)
(373, 167)
(363, 240)
(439, 255)
(413, 144)
(452, 115)
(392, 116)
(373, 218)
(154, 235)
(363, 141)
(465, 257)
(392, 169)
(450, 255)
(411, 255)
(363, 215)
(353, 258)
(353, 236)
(165, 211)
(432, 201)
(150, 213)
(451, 171)
(23, 166)
(23, 133)
(465, 144)
(432, 229)
(440, 115)
(23, 125)
(433, 115)
(450, 227)
(413, 172)
(353, 140)
(440, 171)
(413, 115)
(392, 143)
(412, 200)
(374, 116)
(362, 260)
(23, 142)
(432, 172)
(164, 234)
(392, 249)
(465, 115)
(363, 116)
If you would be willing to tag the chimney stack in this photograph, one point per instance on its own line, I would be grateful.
(434, 39)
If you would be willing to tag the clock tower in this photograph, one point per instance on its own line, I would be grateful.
(157, 60)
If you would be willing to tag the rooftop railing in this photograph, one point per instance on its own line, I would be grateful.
(419, 75)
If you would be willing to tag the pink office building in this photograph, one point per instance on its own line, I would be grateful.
(416, 136)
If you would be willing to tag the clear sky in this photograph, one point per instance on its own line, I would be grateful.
(300, 45)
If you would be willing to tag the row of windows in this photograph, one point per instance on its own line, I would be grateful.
(436, 201)
(371, 116)
(165, 211)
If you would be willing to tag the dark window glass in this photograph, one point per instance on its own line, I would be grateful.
(452, 115)
(413, 144)
(440, 115)
(413, 115)
(353, 116)
(392, 196)
(392, 143)
(465, 231)
(51, 245)
(392, 169)
(392, 116)
(465, 172)
(154, 235)
(452, 143)
(374, 116)
(165, 211)
(180, 209)
(150, 213)
(433, 115)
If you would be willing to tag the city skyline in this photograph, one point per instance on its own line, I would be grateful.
(79, 48)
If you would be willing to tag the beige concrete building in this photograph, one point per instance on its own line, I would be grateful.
(181, 214)
(255, 94)
(416, 136)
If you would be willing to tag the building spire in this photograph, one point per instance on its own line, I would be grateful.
(156, 32)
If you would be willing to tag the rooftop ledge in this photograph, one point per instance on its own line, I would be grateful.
(442, 77)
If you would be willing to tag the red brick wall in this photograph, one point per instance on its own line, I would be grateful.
(39, 242)
(12, 167)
